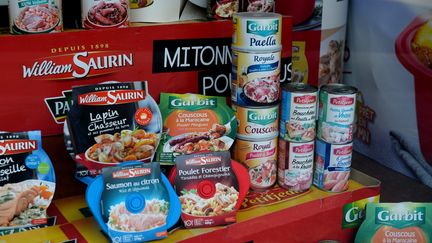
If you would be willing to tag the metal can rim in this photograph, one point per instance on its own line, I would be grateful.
(318, 139)
(257, 139)
(290, 141)
(254, 107)
(339, 89)
(299, 88)
(257, 15)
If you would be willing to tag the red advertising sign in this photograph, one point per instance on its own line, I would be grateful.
(38, 71)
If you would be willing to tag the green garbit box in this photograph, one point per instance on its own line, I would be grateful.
(396, 222)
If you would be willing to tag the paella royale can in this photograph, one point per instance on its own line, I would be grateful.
(256, 122)
(255, 78)
(298, 112)
(257, 31)
(35, 17)
(295, 165)
(259, 157)
(332, 166)
(336, 113)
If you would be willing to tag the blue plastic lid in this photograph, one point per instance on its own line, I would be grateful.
(135, 202)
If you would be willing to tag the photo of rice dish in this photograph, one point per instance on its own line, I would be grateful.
(263, 90)
(124, 146)
(154, 215)
(223, 201)
(23, 202)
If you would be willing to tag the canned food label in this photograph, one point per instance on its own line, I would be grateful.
(298, 114)
(332, 166)
(35, 16)
(261, 28)
(260, 159)
(256, 80)
(257, 34)
(98, 14)
(257, 123)
(336, 117)
(295, 165)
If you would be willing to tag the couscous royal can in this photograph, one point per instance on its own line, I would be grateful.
(259, 157)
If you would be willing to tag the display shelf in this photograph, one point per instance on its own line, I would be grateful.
(316, 209)
(395, 187)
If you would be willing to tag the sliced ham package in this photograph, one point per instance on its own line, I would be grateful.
(27, 182)
(111, 123)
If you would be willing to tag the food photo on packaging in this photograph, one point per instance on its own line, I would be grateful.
(27, 182)
(210, 187)
(133, 202)
(194, 123)
(104, 14)
(111, 123)
(35, 17)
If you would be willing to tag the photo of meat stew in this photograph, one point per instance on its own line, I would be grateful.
(108, 14)
(124, 146)
(38, 18)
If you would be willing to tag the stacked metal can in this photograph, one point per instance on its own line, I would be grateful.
(297, 136)
(255, 87)
(337, 104)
